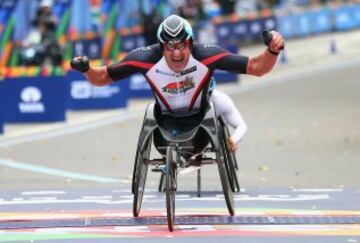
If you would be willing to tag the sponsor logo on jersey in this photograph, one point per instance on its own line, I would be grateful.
(172, 74)
(166, 73)
(179, 87)
(187, 71)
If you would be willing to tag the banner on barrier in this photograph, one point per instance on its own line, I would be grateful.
(356, 15)
(139, 87)
(344, 18)
(302, 24)
(285, 26)
(81, 95)
(1, 124)
(36, 99)
(322, 22)
(131, 42)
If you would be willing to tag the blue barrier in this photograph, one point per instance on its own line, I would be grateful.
(139, 87)
(240, 30)
(1, 124)
(35, 99)
(225, 77)
(344, 18)
(81, 95)
(302, 24)
(321, 21)
(285, 26)
(224, 33)
(356, 15)
(131, 41)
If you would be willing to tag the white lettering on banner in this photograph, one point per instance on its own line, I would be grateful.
(80, 90)
(138, 82)
(31, 97)
(84, 90)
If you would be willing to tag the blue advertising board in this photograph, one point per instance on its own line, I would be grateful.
(240, 30)
(81, 95)
(321, 21)
(139, 87)
(131, 42)
(35, 99)
(285, 26)
(302, 24)
(224, 33)
(1, 124)
(356, 15)
(344, 18)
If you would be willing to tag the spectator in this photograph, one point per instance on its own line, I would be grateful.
(227, 6)
(192, 10)
(41, 45)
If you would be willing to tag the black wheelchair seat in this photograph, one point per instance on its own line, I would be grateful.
(195, 131)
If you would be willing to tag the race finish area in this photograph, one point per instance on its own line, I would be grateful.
(51, 216)
(297, 170)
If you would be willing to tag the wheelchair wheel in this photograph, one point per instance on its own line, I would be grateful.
(139, 179)
(230, 160)
(224, 178)
(170, 182)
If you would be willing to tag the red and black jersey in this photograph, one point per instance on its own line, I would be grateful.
(183, 93)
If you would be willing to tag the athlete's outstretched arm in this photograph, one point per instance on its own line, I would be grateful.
(98, 76)
(263, 63)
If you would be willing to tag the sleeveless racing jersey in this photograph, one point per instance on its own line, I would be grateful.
(184, 93)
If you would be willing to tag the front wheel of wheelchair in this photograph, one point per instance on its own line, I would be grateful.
(140, 174)
(170, 182)
(228, 194)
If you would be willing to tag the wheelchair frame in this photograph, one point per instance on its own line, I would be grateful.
(217, 132)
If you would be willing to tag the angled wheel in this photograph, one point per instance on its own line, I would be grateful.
(170, 186)
(230, 160)
(224, 178)
(139, 180)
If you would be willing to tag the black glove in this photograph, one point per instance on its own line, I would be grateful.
(80, 63)
(267, 37)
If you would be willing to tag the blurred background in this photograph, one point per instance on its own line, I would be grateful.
(38, 38)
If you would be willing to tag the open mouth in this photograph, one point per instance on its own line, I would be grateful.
(177, 60)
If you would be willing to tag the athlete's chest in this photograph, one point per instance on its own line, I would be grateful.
(172, 84)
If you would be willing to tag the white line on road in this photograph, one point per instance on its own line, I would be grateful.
(31, 193)
(57, 172)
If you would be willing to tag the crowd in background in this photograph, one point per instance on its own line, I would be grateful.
(41, 45)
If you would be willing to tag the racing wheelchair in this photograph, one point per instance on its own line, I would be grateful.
(182, 142)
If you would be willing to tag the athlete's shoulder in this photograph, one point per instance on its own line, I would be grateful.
(149, 54)
(202, 51)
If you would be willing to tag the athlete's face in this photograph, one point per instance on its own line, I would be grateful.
(177, 55)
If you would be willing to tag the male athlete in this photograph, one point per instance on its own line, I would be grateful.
(180, 71)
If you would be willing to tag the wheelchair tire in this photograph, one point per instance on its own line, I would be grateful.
(230, 160)
(170, 182)
(139, 179)
(224, 178)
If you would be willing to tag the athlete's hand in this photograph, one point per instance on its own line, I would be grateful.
(80, 63)
(273, 40)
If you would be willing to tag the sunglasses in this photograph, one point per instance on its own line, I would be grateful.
(172, 45)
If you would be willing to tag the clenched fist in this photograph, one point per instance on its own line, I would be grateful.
(80, 63)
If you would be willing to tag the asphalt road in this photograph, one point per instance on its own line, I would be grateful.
(303, 145)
